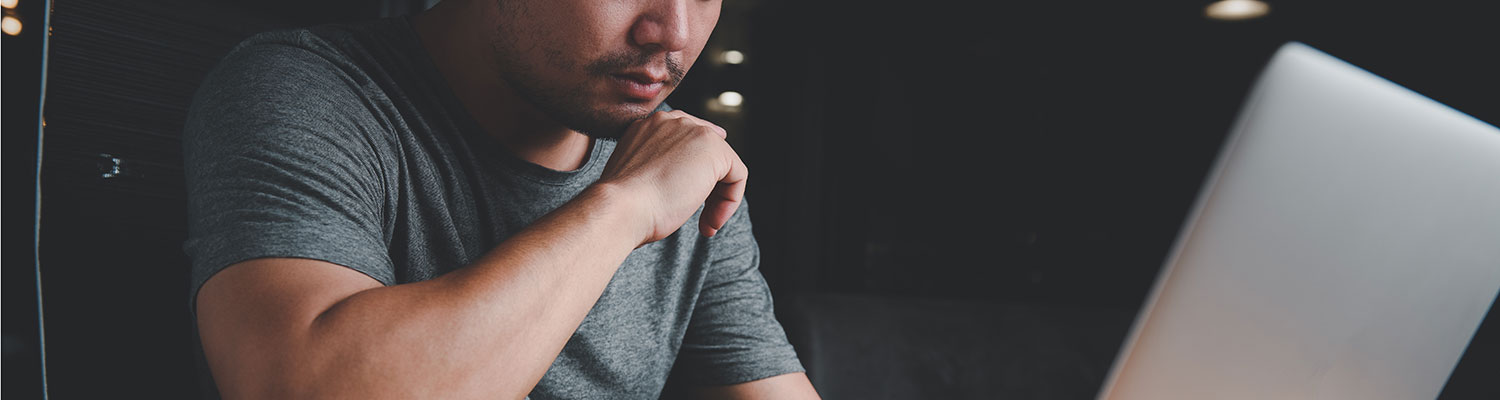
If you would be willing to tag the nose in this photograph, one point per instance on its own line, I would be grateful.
(662, 27)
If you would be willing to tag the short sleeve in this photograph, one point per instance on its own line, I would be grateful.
(733, 336)
(281, 157)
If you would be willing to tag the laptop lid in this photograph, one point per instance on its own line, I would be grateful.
(1345, 245)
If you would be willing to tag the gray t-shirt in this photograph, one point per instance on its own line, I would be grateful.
(343, 143)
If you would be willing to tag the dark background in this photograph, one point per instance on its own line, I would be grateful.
(953, 199)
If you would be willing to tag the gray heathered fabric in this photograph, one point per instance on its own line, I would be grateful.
(343, 143)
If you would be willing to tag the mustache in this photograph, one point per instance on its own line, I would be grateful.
(613, 63)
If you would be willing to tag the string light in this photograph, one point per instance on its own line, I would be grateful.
(733, 57)
(1236, 10)
(11, 25)
(731, 99)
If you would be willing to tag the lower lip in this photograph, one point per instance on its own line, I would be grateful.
(638, 90)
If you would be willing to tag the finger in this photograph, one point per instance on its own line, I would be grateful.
(725, 199)
(719, 130)
(716, 129)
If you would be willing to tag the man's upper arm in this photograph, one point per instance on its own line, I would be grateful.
(282, 161)
(252, 314)
(284, 207)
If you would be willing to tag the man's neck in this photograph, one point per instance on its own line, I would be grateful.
(453, 37)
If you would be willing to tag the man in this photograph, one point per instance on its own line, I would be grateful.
(428, 208)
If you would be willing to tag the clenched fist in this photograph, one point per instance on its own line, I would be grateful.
(672, 162)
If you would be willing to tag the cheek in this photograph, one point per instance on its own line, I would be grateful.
(701, 31)
(588, 36)
(595, 29)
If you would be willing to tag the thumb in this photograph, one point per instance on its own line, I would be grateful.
(726, 197)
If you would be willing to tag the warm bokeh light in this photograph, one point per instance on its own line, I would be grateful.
(9, 3)
(11, 25)
(732, 99)
(1236, 10)
(733, 57)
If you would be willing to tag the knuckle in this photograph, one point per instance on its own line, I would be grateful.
(708, 130)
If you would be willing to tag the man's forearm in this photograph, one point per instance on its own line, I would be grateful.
(492, 327)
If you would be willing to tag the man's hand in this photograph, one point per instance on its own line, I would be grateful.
(671, 163)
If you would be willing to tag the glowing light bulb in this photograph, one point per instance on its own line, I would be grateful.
(9, 3)
(731, 99)
(1236, 10)
(10, 25)
(733, 57)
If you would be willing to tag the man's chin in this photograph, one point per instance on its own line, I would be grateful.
(603, 132)
(612, 123)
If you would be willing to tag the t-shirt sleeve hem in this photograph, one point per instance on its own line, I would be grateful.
(303, 244)
(742, 372)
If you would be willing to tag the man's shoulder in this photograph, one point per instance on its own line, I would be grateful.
(318, 67)
(343, 45)
(332, 38)
(290, 86)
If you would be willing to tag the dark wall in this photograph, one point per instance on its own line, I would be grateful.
(1042, 151)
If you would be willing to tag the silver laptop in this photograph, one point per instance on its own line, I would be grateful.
(1346, 245)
